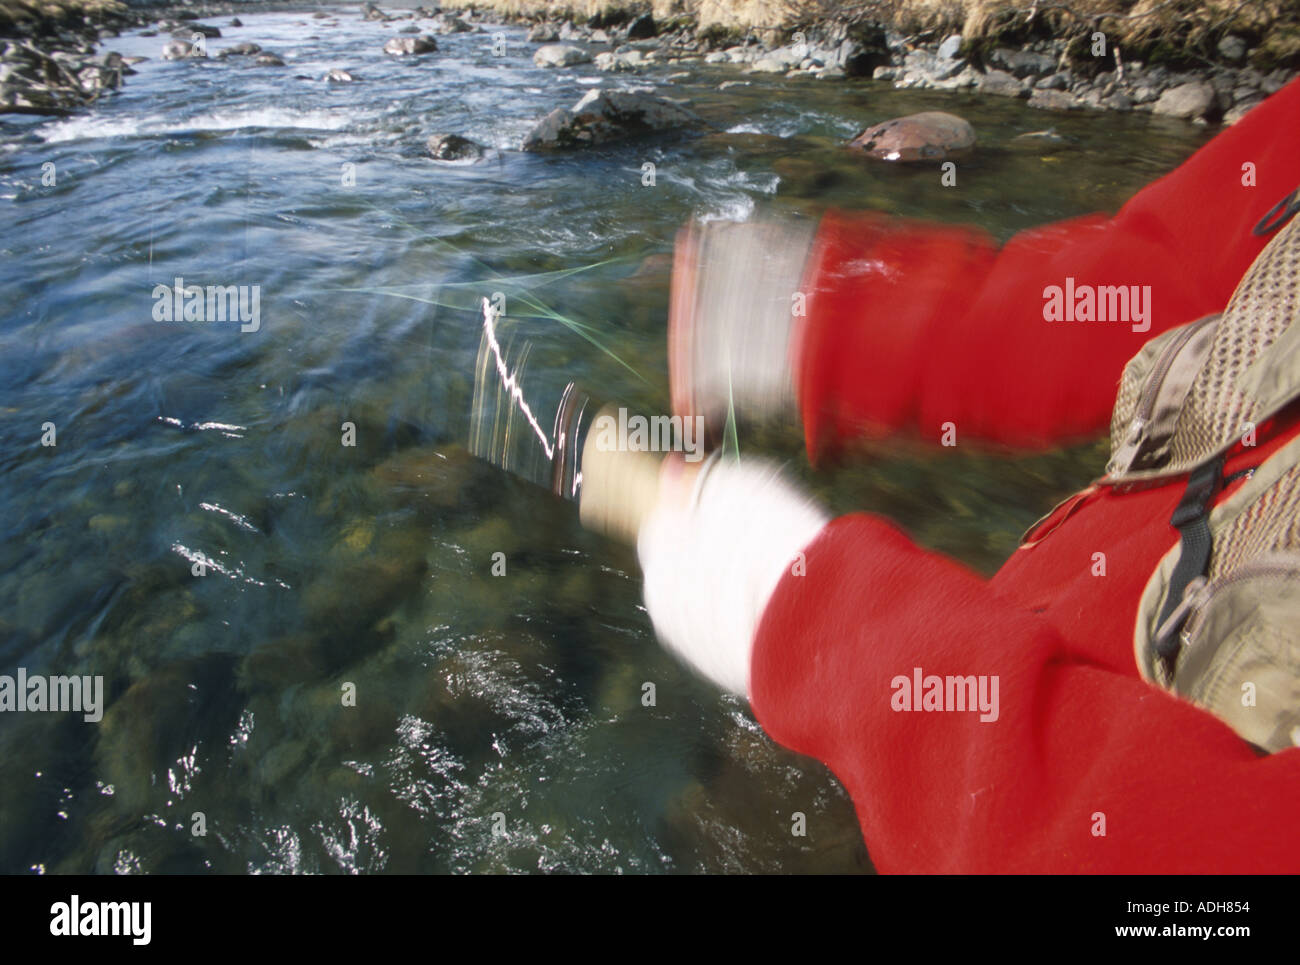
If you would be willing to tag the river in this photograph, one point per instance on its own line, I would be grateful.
(308, 663)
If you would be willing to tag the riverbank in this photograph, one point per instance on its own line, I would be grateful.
(1205, 63)
(1202, 62)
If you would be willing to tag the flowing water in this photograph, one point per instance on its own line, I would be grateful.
(305, 651)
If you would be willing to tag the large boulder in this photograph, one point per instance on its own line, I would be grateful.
(410, 46)
(560, 55)
(608, 115)
(1190, 101)
(928, 136)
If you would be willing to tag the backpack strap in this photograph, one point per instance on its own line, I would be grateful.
(1192, 520)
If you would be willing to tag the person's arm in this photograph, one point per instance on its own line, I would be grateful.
(908, 326)
(1076, 748)
(1078, 766)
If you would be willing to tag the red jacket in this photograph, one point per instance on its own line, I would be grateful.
(911, 326)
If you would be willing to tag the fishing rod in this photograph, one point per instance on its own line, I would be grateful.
(553, 445)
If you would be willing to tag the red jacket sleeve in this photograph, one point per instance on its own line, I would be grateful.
(1076, 742)
(911, 325)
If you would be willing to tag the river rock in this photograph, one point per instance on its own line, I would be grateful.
(188, 30)
(446, 23)
(1038, 142)
(1001, 83)
(951, 44)
(629, 62)
(1232, 49)
(236, 22)
(337, 75)
(180, 50)
(268, 60)
(410, 46)
(1022, 63)
(370, 12)
(1241, 109)
(607, 115)
(1054, 100)
(560, 55)
(1189, 101)
(244, 49)
(642, 28)
(928, 136)
(543, 33)
(453, 147)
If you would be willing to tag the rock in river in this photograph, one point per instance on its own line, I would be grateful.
(928, 136)
(405, 46)
(243, 49)
(543, 33)
(560, 55)
(607, 115)
(453, 147)
(180, 50)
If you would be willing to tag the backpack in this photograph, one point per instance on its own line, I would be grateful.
(1219, 620)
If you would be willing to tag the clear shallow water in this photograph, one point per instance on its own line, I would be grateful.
(476, 696)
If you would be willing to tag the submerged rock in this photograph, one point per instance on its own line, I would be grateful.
(410, 46)
(1038, 142)
(268, 60)
(453, 147)
(560, 55)
(928, 136)
(337, 75)
(1054, 100)
(607, 115)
